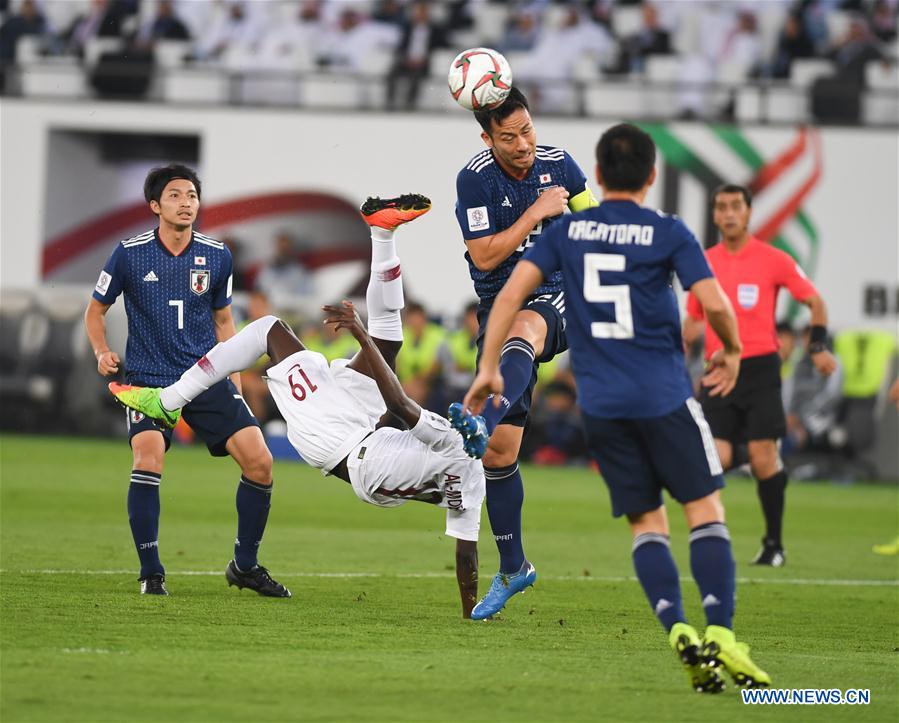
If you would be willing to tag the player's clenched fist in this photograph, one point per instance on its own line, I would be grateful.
(107, 362)
(552, 202)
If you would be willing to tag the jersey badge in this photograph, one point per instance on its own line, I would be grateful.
(507, 203)
(477, 218)
(747, 295)
(151, 276)
(545, 178)
(200, 260)
(199, 281)
(103, 283)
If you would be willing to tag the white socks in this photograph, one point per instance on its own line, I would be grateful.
(239, 352)
(384, 296)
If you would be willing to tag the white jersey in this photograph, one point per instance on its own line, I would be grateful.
(427, 463)
(329, 408)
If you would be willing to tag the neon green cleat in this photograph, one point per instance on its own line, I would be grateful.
(146, 401)
(888, 548)
(686, 643)
(720, 647)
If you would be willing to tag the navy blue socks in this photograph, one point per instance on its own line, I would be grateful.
(143, 514)
(714, 570)
(659, 577)
(253, 503)
(505, 496)
(516, 364)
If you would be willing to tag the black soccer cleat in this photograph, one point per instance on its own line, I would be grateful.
(153, 585)
(256, 579)
(771, 555)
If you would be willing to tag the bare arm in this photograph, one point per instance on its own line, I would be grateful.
(224, 330)
(824, 361)
(724, 366)
(524, 279)
(488, 252)
(345, 317)
(467, 574)
(95, 326)
(692, 329)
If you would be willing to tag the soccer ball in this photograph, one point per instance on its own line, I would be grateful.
(479, 79)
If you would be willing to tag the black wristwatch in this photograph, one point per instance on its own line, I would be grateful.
(816, 347)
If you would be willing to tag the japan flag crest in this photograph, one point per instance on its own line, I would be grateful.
(199, 281)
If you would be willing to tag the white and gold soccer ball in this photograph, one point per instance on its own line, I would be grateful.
(480, 79)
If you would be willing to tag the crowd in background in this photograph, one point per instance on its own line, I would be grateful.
(726, 42)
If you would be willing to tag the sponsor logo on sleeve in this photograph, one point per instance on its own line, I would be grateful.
(478, 219)
(747, 295)
(103, 283)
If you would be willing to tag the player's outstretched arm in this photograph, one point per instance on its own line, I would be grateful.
(724, 366)
(524, 279)
(398, 404)
(95, 326)
(467, 574)
(488, 252)
(224, 330)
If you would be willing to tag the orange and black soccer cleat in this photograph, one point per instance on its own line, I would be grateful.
(388, 213)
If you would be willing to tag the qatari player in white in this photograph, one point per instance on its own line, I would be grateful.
(336, 412)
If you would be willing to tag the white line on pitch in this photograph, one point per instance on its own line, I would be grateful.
(426, 575)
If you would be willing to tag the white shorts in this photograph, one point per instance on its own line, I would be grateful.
(391, 467)
(329, 408)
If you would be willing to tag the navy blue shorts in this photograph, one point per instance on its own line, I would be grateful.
(638, 458)
(550, 307)
(214, 416)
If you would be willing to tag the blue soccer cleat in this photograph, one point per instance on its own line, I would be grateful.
(472, 428)
(503, 587)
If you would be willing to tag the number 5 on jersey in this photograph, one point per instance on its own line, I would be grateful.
(297, 389)
(617, 294)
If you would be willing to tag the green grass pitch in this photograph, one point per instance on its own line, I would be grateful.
(373, 631)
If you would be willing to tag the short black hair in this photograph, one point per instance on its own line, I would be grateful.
(512, 103)
(626, 156)
(733, 188)
(158, 178)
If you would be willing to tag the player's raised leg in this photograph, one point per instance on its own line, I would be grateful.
(384, 298)
(239, 352)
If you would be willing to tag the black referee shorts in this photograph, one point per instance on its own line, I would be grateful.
(754, 409)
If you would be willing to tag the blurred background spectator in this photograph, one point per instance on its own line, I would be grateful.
(418, 365)
(29, 20)
(650, 39)
(253, 387)
(284, 279)
(420, 35)
(458, 356)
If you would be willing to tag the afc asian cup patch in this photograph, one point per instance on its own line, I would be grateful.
(103, 283)
(478, 219)
(199, 281)
(747, 295)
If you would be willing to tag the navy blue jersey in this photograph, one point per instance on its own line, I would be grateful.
(489, 201)
(623, 324)
(169, 301)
